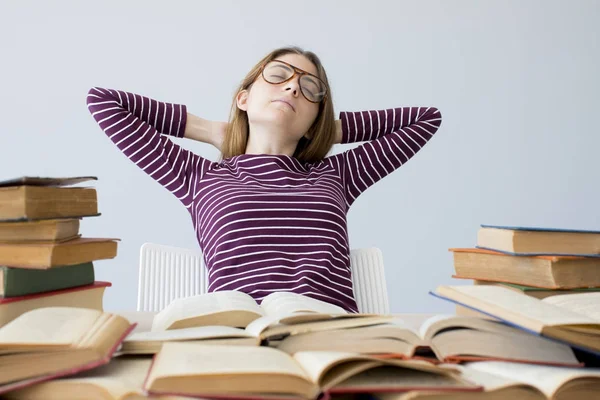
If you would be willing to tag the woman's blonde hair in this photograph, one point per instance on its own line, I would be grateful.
(321, 132)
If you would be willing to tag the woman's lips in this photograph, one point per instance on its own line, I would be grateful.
(286, 102)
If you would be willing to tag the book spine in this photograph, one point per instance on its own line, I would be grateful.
(21, 281)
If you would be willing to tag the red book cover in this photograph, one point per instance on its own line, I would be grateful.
(94, 285)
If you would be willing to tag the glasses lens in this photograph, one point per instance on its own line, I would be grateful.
(312, 88)
(276, 72)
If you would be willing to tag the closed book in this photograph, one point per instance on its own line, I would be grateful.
(52, 230)
(550, 272)
(28, 198)
(22, 281)
(88, 296)
(521, 240)
(48, 255)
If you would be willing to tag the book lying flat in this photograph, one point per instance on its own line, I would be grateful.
(503, 380)
(48, 255)
(450, 338)
(87, 296)
(538, 293)
(18, 203)
(151, 342)
(571, 318)
(57, 341)
(257, 372)
(120, 379)
(16, 282)
(551, 272)
(538, 241)
(51, 230)
(280, 313)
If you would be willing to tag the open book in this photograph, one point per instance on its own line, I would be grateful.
(279, 314)
(503, 380)
(451, 338)
(121, 379)
(57, 341)
(235, 371)
(571, 318)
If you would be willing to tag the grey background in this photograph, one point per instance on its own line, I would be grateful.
(516, 82)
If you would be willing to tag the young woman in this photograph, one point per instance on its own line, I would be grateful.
(270, 215)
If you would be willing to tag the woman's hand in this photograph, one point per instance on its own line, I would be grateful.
(218, 130)
(205, 131)
(338, 131)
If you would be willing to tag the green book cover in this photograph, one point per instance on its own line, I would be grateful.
(536, 289)
(21, 281)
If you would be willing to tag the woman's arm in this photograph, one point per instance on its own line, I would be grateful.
(393, 137)
(139, 127)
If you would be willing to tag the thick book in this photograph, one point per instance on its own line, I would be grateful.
(503, 380)
(279, 314)
(550, 272)
(191, 369)
(48, 255)
(573, 319)
(56, 341)
(16, 282)
(88, 296)
(121, 379)
(51, 230)
(19, 203)
(450, 338)
(519, 240)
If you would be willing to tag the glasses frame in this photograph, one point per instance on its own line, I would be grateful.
(297, 71)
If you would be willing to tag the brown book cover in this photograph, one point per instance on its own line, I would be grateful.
(52, 230)
(543, 271)
(48, 255)
(46, 181)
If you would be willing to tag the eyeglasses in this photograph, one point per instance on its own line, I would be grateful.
(311, 86)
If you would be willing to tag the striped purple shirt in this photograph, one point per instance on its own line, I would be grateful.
(267, 223)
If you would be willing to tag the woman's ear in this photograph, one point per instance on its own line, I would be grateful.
(242, 100)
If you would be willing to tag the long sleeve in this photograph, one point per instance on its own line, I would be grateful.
(134, 123)
(392, 137)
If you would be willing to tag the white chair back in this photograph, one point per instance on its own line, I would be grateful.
(167, 273)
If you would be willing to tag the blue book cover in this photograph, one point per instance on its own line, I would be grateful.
(538, 229)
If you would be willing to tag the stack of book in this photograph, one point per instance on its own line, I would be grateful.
(44, 261)
(536, 262)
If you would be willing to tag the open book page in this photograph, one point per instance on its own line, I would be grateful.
(328, 367)
(587, 304)
(209, 303)
(195, 333)
(504, 303)
(288, 303)
(121, 377)
(433, 325)
(545, 378)
(50, 326)
(177, 358)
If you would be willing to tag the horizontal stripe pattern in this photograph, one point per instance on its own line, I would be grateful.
(267, 223)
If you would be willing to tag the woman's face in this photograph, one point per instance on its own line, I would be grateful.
(281, 106)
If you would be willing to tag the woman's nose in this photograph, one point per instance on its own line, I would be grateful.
(293, 85)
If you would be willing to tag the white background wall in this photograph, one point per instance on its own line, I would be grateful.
(516, 81)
